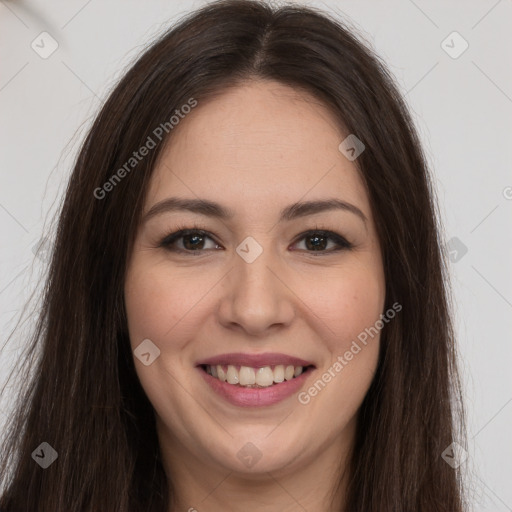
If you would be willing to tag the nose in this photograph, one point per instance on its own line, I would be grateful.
(256, 296)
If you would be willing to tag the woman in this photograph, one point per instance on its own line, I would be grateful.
(246, 306)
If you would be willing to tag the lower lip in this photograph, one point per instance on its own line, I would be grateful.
(256, 397)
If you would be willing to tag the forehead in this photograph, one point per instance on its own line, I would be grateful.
(261, 142)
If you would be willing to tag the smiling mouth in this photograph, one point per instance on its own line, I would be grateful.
(247, 377)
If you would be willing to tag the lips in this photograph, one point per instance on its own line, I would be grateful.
(263, 393)
(254, 360)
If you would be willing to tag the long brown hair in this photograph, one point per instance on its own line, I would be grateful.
(84, 398)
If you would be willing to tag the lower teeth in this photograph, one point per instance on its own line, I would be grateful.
(254, 385)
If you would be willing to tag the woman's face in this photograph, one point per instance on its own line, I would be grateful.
(257, 292)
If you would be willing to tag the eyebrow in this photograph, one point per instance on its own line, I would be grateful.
(212, 209)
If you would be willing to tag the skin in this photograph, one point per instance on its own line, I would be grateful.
(256, 149)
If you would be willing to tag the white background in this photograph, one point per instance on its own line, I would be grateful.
(462, 107)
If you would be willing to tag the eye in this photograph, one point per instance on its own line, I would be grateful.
(317, 241)
(194, 239)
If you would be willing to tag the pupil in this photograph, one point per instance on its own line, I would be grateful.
(316, 243)
(195, 237)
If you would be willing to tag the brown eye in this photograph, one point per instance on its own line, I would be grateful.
(196, 240)
(192, 240)
(318, 241)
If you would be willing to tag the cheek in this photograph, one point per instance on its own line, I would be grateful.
(351, 307)
(158, 308)
(155, 302)
(348, 304)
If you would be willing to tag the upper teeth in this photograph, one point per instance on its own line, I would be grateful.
(247, 376)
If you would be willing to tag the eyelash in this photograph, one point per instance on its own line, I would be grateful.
(184, 230)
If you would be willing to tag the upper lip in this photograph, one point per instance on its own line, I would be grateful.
(255, 360)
